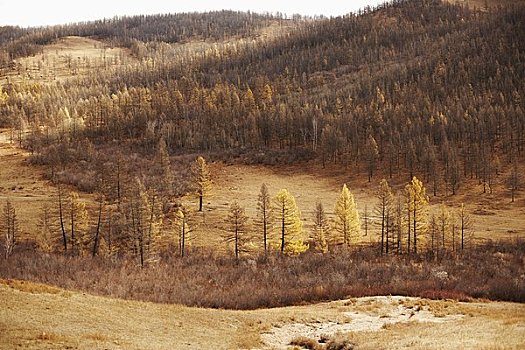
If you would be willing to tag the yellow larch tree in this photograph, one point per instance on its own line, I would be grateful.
(347, 223)
(201, 178)
(290, 225)
(416, 205)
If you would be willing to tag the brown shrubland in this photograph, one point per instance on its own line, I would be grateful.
(206, 279)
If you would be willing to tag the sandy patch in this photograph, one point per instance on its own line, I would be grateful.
(382, 312)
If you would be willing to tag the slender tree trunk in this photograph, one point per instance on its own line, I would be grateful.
(72, 231)
(97, 232)
(415, 226)
(265, 227)
(462, 232)
(382, 228)
(236, 242)
(61, 215)
(282, 231)
(110, 233)
(183, 238)
(409, 231)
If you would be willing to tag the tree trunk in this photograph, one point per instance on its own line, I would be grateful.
(282, 231)
(61, 215)
(97, 232)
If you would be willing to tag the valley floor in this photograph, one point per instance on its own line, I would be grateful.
(35, 316)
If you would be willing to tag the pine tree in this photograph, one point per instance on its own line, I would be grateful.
(290, 224)
(514, 180)
(97, 239)
(46, 228)
(167, 178)
(146, 220)
(372, 154)
(320, 228)
(444, 226)
(347, 222)
(433, 229)
(263, 214)
(201, 178)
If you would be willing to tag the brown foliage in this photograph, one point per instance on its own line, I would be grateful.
(206, 280)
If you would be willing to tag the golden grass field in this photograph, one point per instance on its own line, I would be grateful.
(36, 316)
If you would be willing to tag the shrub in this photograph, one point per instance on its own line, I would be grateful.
(206, 279)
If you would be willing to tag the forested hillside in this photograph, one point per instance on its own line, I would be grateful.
(415, 86)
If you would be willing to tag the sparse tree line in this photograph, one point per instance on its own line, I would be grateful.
(146, 225)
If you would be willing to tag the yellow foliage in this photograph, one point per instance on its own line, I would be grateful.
(290, 226)
(347, 223)
(295, 247)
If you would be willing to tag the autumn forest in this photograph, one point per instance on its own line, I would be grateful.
(417, 105)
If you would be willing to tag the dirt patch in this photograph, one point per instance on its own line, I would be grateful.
(382, 313)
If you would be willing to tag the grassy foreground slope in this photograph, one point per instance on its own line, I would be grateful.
(35, 316)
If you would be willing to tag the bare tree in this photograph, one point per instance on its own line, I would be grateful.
(237, 220)
(10, 227)
(263, 214)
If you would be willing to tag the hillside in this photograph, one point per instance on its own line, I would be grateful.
(40, 317)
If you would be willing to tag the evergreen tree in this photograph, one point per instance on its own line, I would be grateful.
(9, 226)
(444, 226)
(465, 224)
(46, 229)
(417, 208)
(185, 228)
(78, 225)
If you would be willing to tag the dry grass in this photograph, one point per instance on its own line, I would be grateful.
(82, 321)
(309, 182)
(67, 58)
(32, 287)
